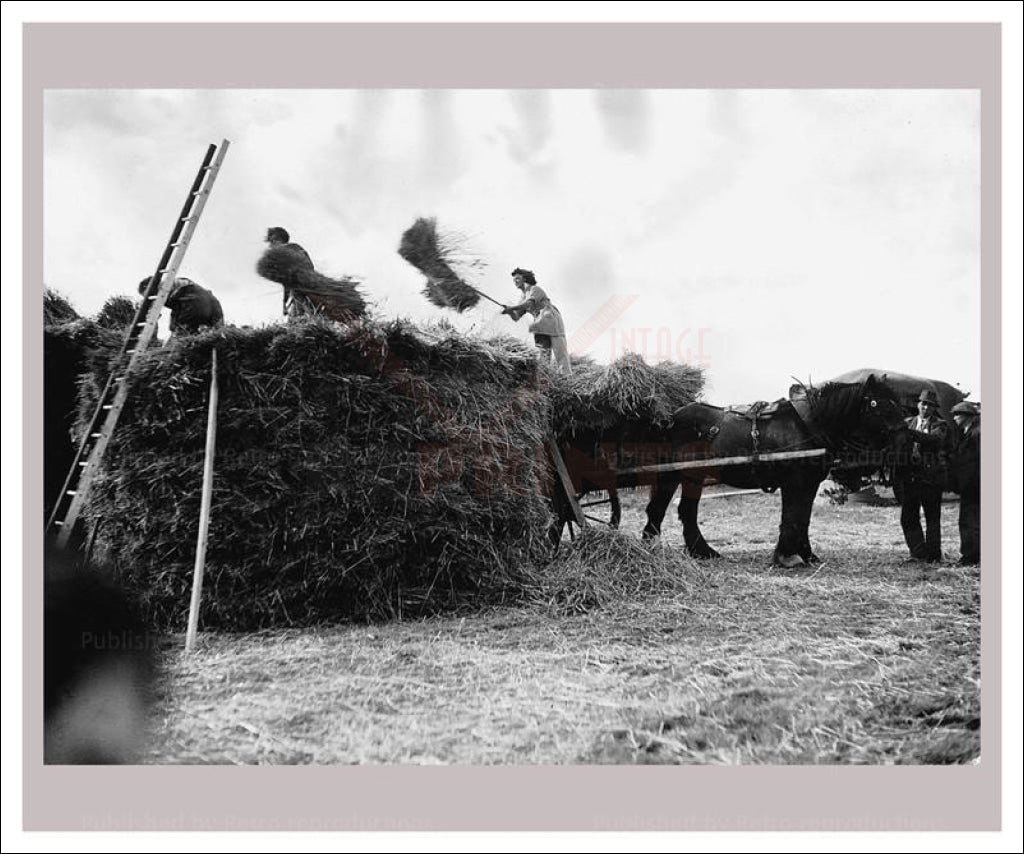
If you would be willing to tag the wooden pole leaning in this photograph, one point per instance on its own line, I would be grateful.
(204, 509)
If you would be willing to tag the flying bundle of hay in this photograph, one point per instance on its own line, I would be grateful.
(366, 472)
(433, 255)
(335, 299)
(597, 397)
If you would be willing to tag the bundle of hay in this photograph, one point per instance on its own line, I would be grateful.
(57, 309)
(598, 397)
(335, 299)
(117, 312)
(433, 255)
(368, 472)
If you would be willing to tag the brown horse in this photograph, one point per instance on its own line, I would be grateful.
(853, 423)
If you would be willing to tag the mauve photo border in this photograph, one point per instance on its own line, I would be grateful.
(570, 55)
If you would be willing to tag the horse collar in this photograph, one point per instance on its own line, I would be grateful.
(804, 407)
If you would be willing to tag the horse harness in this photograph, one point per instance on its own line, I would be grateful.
(760, 409)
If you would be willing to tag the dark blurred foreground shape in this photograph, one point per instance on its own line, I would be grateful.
(99, 667)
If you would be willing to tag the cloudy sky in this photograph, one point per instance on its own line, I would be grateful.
(765, 234)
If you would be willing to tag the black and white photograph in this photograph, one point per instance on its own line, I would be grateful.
(476, 425)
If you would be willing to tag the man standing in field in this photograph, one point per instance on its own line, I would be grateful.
(966, 479)
(919, 479)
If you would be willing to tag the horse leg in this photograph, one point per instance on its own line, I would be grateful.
(555, 533)
(661, 495)
(560, 514)
(806, 552)
(613, 499)
(791, 529)
(696, 545)
(806, 509)
(794, 546)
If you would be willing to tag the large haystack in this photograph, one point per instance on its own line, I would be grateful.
(369, 472)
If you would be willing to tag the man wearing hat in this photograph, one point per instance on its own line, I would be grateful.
(920, 477)
(966, 479)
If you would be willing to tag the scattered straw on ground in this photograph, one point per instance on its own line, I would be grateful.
(865, 661)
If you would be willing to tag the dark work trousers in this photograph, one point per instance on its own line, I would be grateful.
(918, 496)
(970, 527)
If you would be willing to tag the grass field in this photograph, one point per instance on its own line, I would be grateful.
(863, 659)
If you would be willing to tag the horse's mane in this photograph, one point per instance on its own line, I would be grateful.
(837, 401)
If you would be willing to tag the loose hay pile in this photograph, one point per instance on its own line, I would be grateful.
(335, 299)
(602, 567)
(365, 473)
(598, 397)
(433, 255)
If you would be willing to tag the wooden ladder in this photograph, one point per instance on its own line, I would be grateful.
(94, 442)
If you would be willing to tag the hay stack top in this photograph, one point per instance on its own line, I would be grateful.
(598, 397)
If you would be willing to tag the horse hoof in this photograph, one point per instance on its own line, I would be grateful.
(788, 561)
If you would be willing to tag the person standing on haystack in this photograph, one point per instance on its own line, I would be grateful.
(292, 303)
(548, 328)
(966, 479)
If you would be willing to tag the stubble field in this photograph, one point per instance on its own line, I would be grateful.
(864, 659)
